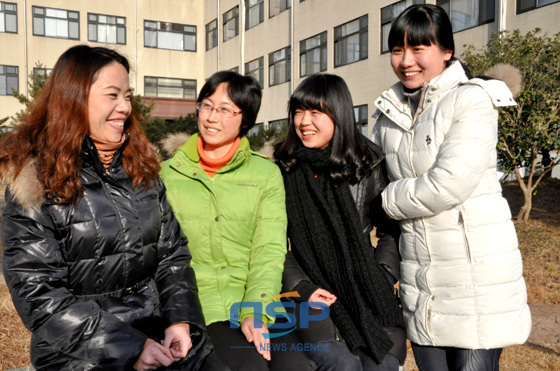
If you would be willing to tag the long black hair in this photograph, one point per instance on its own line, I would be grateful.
(350, 158)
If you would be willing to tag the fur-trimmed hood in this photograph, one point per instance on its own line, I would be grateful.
(25, 188)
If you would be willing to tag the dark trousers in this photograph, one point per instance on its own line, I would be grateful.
(336, 356)
(233, 350)
(430, 358)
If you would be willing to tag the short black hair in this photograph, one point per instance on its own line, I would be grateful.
(244, 91)
(423, 24)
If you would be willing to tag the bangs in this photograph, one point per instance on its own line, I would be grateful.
(309, 96)
(418, 28)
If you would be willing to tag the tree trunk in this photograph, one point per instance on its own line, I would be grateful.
(526, 208)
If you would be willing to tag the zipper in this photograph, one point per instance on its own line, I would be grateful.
(464, 229)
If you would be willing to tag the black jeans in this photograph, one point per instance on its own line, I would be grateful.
(430, 358)
(335, 356)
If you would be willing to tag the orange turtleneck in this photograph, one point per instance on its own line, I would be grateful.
(211, 165)
(106, 150)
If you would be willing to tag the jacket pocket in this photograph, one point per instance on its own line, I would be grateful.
(461, 223)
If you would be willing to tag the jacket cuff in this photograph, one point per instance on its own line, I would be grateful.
(305, 289)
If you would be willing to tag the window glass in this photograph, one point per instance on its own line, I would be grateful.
(167, 35)
(255, 68)
(56, 23)
(231, 23)
(279, 66)
(106, 29)
(466, 14)
(8, 17)
(165, 87)
(350, 42)
(313, 54)
(211, 35)
(254, 13)
(9, 80)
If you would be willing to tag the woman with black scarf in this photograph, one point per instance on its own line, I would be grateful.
(334, 177)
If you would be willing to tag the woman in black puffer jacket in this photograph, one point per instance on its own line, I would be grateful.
(95, 261)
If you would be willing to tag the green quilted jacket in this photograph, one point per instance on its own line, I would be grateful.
(236, 226)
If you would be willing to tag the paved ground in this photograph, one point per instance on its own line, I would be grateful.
(546, 328)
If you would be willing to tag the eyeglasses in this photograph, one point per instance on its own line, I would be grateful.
(224, 112)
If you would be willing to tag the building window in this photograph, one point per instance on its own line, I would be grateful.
(278, 125)
(8, 17)
(59, 23)
(388, 15)
(235, 69)
(231, 23)
(526, 5)
(106, 29)
(361, 118)
(212, 34)
(40, 71)
(8, 79)
(351, 42)
(279, 66)
(254, 10)
(167, 35)
(313, 54)
(276, 7)
(256, 129)
(468, 13)
(164, 87)
(255, 68)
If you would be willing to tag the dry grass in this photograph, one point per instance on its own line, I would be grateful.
(14, 337)
(539, 241)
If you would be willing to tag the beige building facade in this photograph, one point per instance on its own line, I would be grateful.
(175, 45)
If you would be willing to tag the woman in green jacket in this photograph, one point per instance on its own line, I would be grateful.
(230, 203)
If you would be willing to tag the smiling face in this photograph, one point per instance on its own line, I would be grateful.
(415, 65)
(109, 103)
(218, 132)
(313, 127)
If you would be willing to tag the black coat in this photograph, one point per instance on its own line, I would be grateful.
(93, 281)
(367, 196)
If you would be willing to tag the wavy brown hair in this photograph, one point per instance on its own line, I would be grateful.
(55, 126)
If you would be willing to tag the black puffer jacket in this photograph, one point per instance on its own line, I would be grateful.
(92, 282)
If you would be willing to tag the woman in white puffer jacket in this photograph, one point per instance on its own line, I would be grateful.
(463, 293)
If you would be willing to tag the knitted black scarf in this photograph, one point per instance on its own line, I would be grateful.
(328, 243)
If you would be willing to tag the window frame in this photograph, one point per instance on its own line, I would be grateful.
(361, 118)
(119, 26)
(164, 29)
(339, 39)
(248, 8)
(212, 34)
(489, 7)
(273, 64)
(259, 69)
(284, 5)
(535, 5)
(5, 74)
(227, 17)
(36, 16)
(305, 50)
(188, 85)
(5, 13)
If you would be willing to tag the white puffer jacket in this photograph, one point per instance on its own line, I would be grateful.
(461, 271)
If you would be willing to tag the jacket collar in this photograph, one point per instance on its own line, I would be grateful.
(394, 104)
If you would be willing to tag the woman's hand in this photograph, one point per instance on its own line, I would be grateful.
(254, 335)
(153, 356)
(322, 296)
(178, 340)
